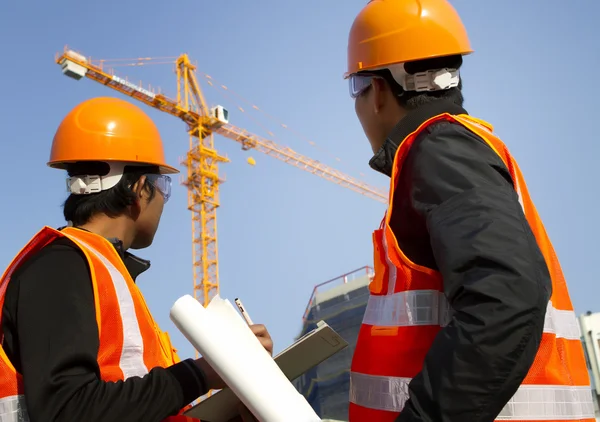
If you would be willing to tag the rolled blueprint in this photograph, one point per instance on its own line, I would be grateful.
(224, 339)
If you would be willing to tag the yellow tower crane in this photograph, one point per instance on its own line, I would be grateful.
(202, 160)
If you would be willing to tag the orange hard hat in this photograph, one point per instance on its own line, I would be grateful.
(109, 130)
(388, 32)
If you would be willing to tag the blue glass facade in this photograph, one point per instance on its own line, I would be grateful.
(326, 386)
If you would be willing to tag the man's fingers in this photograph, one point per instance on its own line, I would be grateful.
(264, 337)
(259, 330)
(268, 344)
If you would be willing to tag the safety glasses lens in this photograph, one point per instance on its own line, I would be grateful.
(358, 83)
(162, 182)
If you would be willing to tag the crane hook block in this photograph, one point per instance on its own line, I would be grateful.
(251, 161)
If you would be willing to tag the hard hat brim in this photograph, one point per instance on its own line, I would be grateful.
(356, 69)
(163, 168)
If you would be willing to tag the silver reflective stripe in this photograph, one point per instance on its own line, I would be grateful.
(13, 409)
(132, 354)
(562, 323)
(430, 307)
(549, 402)
(408, 308)
(530, 402)
(377, 392)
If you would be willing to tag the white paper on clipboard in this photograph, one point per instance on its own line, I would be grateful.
(307, 352)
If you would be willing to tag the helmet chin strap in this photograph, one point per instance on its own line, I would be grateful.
(87, 184)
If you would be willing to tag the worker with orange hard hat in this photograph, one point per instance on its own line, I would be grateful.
(469, 317)
(79, 343)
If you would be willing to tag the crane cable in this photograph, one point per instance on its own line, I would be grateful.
(228, 93)
(225, 89)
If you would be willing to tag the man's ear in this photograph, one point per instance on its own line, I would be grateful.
(380, 93)
(138, 187)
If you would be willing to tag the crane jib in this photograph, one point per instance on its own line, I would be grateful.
(133, 86)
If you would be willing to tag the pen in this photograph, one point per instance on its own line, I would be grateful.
(243, 311)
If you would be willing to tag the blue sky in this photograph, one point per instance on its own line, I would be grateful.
(281, 230)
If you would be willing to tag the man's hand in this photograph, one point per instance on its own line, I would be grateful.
(264, 337)
(213, 380)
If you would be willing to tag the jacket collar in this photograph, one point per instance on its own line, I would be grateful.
(134, 264)
(383, 160)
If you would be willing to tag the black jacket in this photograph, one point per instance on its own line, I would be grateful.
(51, 337)
(456, 212)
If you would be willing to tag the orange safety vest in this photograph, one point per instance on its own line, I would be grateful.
(407, 308)
(131, 343)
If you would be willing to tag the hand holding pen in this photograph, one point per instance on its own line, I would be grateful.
(259, 330)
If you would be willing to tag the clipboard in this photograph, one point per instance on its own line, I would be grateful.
(307, 352)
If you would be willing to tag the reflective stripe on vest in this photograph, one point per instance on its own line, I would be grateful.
(430, 307)
(530, 402)
(12, 409)
(132, 353)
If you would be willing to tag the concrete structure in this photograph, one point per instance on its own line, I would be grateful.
(590, 336)
(341, 303)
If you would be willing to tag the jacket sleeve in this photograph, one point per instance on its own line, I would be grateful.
(495, 279)
(58, 342)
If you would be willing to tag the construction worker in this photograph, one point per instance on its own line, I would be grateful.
(79, 343)
(469, 317)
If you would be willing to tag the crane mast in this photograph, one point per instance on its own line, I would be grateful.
(202, 160)
(203, 181)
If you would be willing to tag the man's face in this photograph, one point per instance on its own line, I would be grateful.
(369, 94)
(150, 209)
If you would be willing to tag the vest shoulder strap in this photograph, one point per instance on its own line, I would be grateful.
(37, 242)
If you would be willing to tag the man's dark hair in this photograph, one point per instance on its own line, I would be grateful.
(79, 209)
(410, 100)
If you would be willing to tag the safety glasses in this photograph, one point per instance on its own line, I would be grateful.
(359, 82)
(162, 182)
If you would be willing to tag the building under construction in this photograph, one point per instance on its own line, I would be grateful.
(341, 303)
